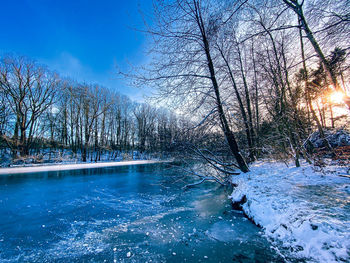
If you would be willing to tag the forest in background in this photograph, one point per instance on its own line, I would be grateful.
(247, 79)
(42, 114)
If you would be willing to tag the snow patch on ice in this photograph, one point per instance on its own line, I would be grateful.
(300, 209)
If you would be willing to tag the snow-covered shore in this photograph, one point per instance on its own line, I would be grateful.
(303, 210)
(64, 167)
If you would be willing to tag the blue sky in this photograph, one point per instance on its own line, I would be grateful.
(82, 39)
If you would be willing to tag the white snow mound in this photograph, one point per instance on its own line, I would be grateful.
(302, 210)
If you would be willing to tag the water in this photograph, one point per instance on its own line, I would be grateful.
(123, 214)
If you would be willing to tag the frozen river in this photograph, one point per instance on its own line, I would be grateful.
(123, 214)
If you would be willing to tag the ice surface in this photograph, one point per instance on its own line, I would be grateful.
(301, 209)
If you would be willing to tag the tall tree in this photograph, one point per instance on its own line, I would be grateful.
(186, 69)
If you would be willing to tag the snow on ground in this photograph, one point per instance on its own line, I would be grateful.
(48, 156)
(64, 167)
(305, 211)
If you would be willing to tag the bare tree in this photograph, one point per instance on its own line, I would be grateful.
(184, 69)
(30, 90)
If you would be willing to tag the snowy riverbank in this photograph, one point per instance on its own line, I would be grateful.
(304, 210)
(301, 209)
(63, 167)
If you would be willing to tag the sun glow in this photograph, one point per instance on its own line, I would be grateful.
(336, 97)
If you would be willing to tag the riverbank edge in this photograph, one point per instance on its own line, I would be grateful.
(77, 166)
(257, 207)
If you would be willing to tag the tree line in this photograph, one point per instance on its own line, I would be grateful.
(266, 74)
(40, 112)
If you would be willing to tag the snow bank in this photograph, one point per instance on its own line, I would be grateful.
(301, 210)
(64, 167)
(49, 156)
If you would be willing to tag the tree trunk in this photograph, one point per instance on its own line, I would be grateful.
(307, 94)
(257, 128)
(224, 123)
(249, 110)
(15, 139)
(241, 106)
